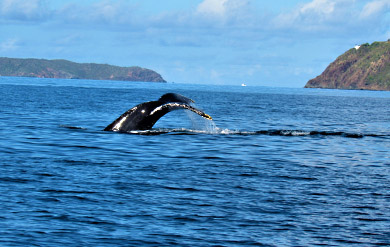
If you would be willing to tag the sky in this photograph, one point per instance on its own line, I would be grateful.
(224, 42)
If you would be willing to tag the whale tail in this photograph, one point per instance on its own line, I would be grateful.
(165, 108)
(174, 97)
(145, 115)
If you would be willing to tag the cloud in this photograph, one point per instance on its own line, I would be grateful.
(341, 17)
(317, 15)
(117, 12)
(209, 15)
(106, 12)
(24, 10)
(321, 8)
(222, 10)
(9, 45)
(236, 33)
(212, 7)
(124, 15)
(375, 8)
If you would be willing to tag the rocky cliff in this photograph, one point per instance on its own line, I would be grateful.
(69, 70)
(363, 67)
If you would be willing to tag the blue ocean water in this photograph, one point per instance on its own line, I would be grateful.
(276, 167)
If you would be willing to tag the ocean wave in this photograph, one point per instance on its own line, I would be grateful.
(287, 133)
(213, 130)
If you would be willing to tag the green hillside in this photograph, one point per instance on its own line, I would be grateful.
(364, 67)
(70, 70)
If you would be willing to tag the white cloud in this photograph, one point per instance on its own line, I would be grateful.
(222, 9)
(93, 12)
(322, 8)
(23, 9)
(212, 7)
(100, 12)
(9, 45)
(111, 11)
(374, 8)
(327, 15)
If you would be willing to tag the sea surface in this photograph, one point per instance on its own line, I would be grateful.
(275, 167)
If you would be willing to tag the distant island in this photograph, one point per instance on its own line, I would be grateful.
(65, 69)
(362, 67)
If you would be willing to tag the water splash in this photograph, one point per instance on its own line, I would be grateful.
(202, 124)
(206, 126)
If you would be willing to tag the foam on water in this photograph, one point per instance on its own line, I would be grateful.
(287, 133)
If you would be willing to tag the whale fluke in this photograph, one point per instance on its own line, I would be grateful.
(145, 115)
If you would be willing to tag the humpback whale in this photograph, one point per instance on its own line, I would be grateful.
(145, 115)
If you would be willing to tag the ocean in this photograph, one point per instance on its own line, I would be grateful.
(275, 167)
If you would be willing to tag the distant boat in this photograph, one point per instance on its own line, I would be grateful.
(243, 85)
